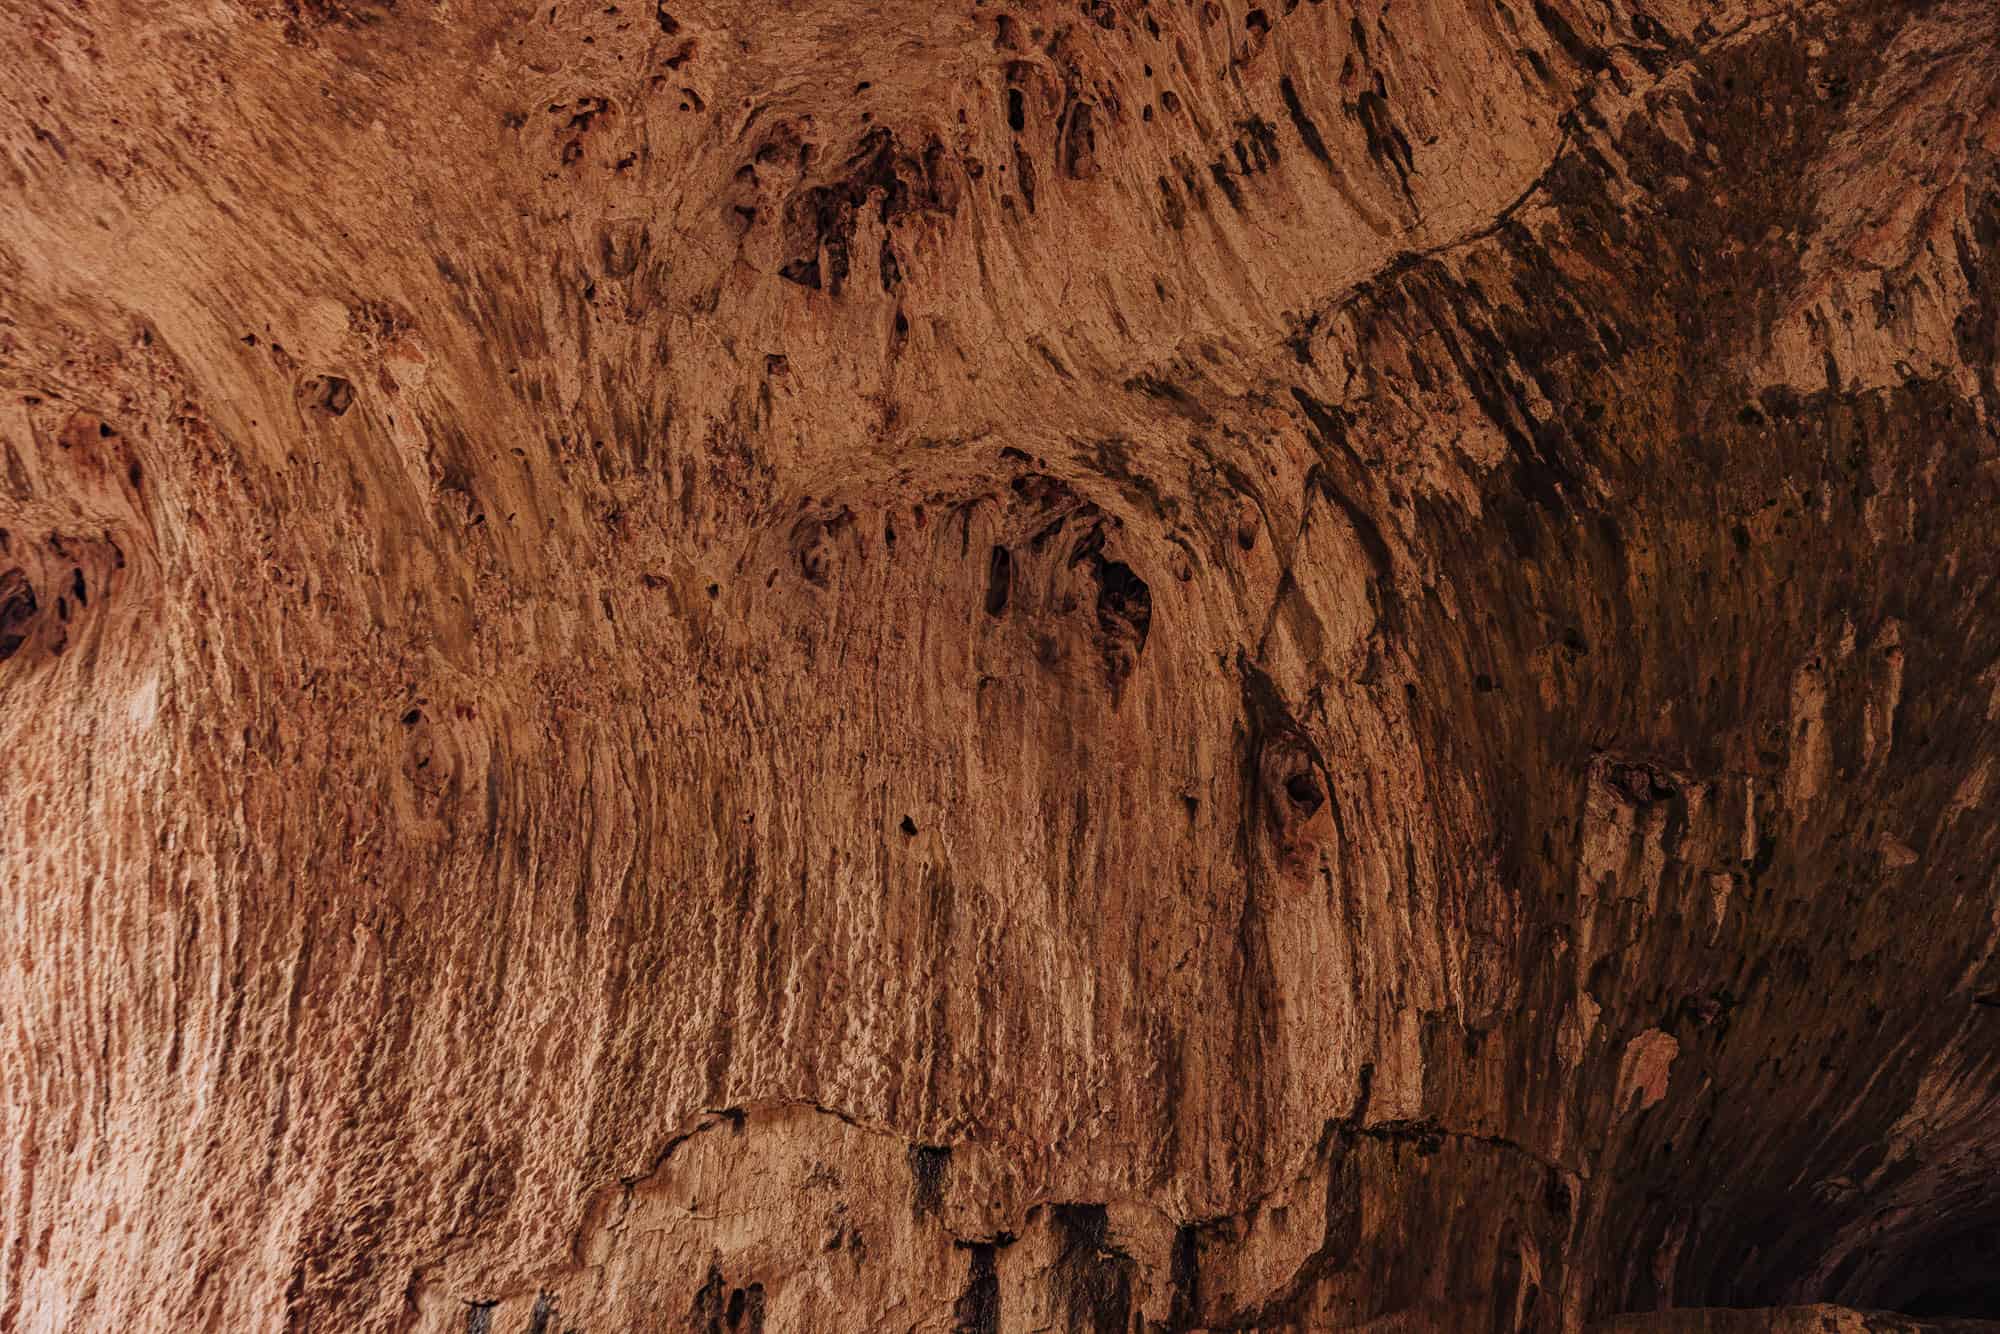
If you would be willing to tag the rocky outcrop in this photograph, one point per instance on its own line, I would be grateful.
(1128, 666)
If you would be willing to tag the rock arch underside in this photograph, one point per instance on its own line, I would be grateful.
(984, 666)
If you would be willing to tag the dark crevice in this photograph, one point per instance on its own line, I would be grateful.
(929, 1164)
(999, 580)
(1092, 1279)
(977, 1310)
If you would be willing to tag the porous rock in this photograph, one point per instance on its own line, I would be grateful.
(997, 666)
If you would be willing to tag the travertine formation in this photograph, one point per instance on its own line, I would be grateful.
(1000, 665)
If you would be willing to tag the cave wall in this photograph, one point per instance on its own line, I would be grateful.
(998, 667)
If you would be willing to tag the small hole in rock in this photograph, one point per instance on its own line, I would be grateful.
(909, 827)
(1304, 791)
(333, 394)
(413, 717)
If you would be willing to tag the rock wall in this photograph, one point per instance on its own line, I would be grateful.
(998, 666)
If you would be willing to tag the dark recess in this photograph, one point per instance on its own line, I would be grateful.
(999, 580)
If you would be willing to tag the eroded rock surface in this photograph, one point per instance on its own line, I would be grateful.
(997, 666)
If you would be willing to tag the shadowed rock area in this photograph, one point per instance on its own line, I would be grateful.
(1139, 666)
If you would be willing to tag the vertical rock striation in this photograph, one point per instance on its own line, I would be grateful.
(1155, 665)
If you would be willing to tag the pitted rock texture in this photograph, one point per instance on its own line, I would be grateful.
(998, 666)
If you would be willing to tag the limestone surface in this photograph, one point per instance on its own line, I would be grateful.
(982, 666)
